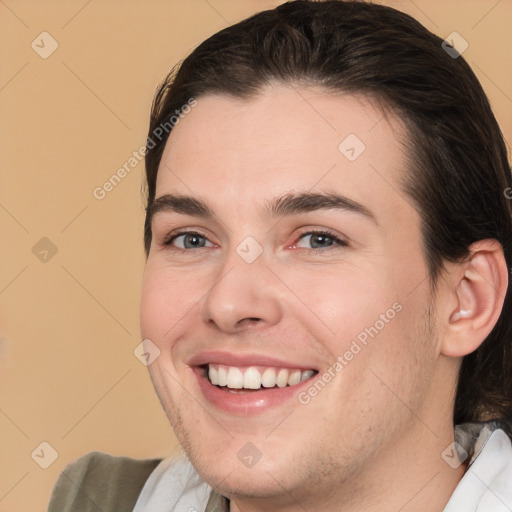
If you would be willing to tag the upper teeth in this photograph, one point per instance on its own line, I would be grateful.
(254, 377)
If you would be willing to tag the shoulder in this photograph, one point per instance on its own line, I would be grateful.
(100, 481)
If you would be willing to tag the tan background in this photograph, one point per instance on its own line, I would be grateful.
(69, 326)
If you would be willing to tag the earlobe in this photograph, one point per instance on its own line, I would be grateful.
(479, 296)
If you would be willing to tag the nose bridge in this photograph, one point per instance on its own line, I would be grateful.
(242, 290)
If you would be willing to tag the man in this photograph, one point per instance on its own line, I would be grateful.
(328, 237)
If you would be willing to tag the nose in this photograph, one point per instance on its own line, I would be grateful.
(244, 295)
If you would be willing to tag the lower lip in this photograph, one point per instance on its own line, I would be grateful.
(250, 402)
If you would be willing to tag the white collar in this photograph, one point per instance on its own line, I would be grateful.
(487, 484)
(174, 485)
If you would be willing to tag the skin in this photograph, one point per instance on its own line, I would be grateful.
(372, 438)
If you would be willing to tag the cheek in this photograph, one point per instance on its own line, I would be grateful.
(343, 302)
(364, 322)
(163, 303)
(153, 298)
(163, 307)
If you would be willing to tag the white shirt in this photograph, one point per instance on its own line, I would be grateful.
(486, 486)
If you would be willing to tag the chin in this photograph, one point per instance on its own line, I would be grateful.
(255, 482)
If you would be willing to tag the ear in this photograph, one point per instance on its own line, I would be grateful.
(476, 300)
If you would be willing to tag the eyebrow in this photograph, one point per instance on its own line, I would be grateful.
(288, 204)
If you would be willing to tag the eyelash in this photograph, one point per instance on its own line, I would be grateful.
(326, 232)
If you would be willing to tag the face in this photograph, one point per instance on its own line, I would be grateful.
(295, 270)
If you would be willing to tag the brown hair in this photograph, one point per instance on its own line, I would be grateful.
(459, 169)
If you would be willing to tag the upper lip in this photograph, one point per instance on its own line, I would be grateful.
(244, 359)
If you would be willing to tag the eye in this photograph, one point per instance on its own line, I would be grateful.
(188, 240)
(319, 239)
(314, 240)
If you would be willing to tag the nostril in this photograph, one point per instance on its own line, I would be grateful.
(248, 320)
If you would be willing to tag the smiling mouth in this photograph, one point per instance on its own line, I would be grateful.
(237, 379)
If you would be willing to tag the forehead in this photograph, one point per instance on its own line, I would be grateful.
(285, 140)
